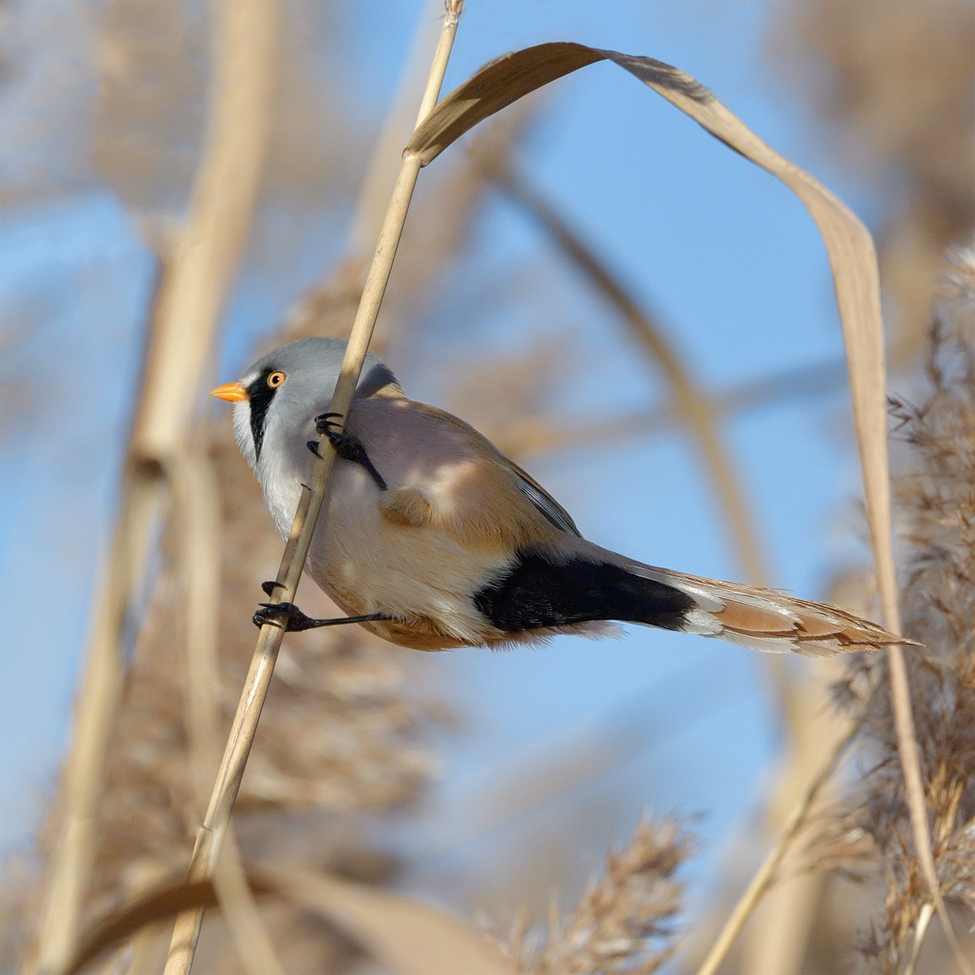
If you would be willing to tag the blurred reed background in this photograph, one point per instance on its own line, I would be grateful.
(187, 184)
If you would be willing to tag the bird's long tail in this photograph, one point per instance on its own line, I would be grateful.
(576, 585)
(766, 619)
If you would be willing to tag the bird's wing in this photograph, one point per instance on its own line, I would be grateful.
(554, 513)
(474, 492)
(544, 501)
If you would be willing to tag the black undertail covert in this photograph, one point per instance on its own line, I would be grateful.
(537, 593)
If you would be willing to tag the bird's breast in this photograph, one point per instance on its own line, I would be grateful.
(373, 560)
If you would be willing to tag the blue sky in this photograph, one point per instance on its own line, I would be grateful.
(726, 254)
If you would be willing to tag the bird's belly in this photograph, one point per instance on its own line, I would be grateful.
(370, 563)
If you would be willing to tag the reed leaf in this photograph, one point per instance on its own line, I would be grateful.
(407, 937)
(856, 281)
(848, 242)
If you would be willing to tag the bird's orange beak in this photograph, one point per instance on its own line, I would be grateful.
(231, 392)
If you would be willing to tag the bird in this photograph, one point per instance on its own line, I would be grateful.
(431, 538)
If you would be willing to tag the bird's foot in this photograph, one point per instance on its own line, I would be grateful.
(325, 421)
(345, 444)
(293, 620)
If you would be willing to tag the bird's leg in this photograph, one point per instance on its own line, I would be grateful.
(293, 620)
(346, 445)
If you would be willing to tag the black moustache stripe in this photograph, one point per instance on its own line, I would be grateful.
(260, 394)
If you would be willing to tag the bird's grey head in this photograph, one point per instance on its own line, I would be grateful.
(279, 396)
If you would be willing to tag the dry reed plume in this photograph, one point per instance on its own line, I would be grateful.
(624, 922)
(871, 835)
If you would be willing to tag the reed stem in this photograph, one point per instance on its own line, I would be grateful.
(760, 882)
(214, 829)
(184, 321)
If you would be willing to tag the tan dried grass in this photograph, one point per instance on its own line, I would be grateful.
(623, 923)
(871, 835)
(185, 316)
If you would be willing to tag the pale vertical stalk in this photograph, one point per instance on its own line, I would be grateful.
(920, 930)
(224, 795)
(759, 883)
(184, 321)
(397, 128)
(97, 703)
(209, 247)
(197, 518)
(775, 942)
(445, 43)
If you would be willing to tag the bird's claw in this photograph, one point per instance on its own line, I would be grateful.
(287, 616)
(323, 427)
(325, 421)
(345, 444)
(269, 587)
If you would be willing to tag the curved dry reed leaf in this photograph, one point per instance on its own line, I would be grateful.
(848, 243)
(407, 937)
(159, 904)
(855, 277)
(494, 87)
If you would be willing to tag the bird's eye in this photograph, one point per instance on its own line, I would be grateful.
(275, 379)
